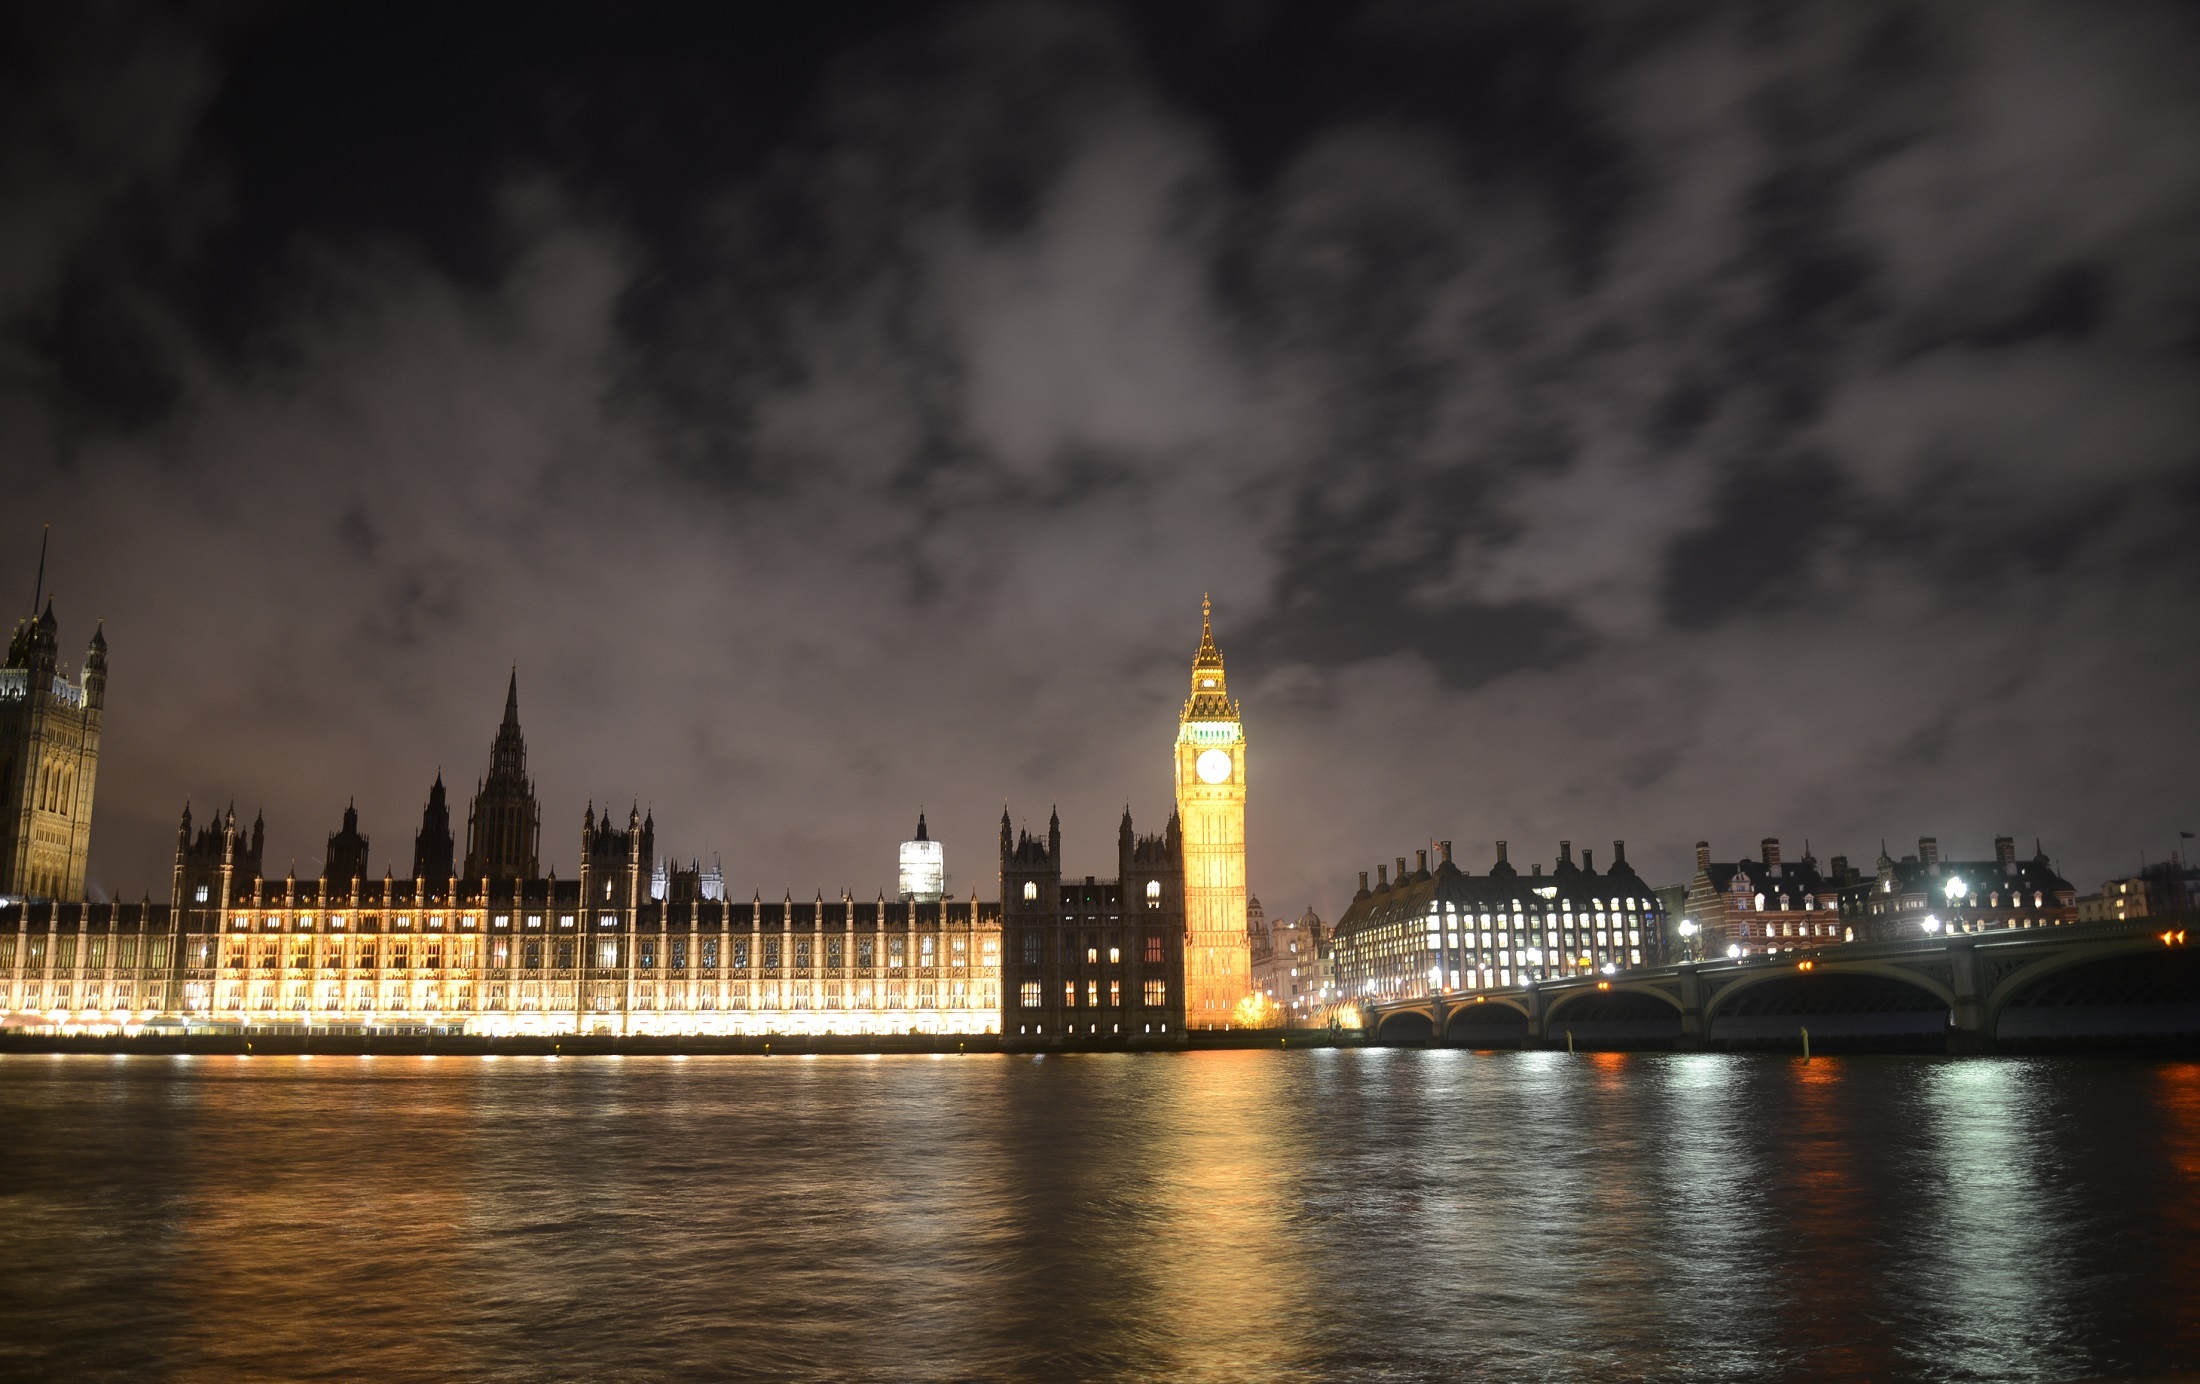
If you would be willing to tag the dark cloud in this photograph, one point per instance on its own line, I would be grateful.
(1691, 420)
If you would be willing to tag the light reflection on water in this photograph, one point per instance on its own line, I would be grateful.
(1228, 1215)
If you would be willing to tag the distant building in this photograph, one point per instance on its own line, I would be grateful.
(49, 761)
(2168, 889)
(1756, 907)
(1287, 964)
(1097, 959)
(1446, 930)
(1922, 895)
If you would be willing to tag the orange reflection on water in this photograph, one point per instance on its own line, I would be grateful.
(302, 1237)
(1236, 1291)
(1824, 1212)
(2177, 1097)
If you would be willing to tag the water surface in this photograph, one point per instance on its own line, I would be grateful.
(1226, 1215)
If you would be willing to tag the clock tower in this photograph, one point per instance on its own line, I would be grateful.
(1210, 800)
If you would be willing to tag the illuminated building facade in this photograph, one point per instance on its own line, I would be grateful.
(1444, 930)
(1092, 960)
(628, 947)
(1923, 896)
(1758, 907)
(49, 761)
(1210, 804)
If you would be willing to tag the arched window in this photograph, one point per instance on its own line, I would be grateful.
(1031, 891)
(1760, 903)
(1153, 888)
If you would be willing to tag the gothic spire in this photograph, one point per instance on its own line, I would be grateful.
(1208, 656)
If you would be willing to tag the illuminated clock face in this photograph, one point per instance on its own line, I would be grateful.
(1214, 766)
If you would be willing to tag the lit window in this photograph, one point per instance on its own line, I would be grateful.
(1069, 993)
(1157, 994)
(1031, 994)
(1031, 891)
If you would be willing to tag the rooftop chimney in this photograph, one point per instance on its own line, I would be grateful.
(1445, 847)
(1565, 852)
(1401, 869)
(1771, 848)
(1500, 852)
(1420, 864)
(1382, 877)
(1619, 854)
(2005, 851)
(1703, 855)
(1588, 860)
(1928, 850)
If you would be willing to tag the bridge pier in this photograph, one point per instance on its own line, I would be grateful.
(1537, 1010)
(1970, 1027)
(1692, 1025)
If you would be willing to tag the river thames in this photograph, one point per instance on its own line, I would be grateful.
(1218, 1215)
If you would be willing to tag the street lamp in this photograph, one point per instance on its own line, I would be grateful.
(1688, 938)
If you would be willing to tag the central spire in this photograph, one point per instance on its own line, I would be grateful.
(1208, 656)
(1210, 700)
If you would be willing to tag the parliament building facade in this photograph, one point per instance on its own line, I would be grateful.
(485, 941)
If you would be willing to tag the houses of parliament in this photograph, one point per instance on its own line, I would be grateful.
(491, 942)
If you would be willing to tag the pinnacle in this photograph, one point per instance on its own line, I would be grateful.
(1209, 656)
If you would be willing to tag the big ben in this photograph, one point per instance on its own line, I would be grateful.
(1210, 800)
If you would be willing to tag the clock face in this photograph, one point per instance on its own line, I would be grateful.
(1214, 766)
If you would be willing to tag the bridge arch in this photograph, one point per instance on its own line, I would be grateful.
(1567, 1002)
(2133, 990)
(1416, 1025)
(2000, 990)
(1466, 1009)
(1788, 976)
(1496, 1021)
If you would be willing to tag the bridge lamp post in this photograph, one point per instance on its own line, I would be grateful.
(1688, 938)
(1932, 924)
(1734, 951)
(1534, 956)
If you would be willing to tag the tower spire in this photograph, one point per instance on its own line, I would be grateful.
(38, 589)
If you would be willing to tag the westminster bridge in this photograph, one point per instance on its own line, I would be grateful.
(1975, 992)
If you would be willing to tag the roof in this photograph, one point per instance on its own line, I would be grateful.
(1449, 885)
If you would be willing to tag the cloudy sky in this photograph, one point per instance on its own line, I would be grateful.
(1653, 420)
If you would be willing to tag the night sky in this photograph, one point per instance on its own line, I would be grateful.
(1656, 421)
